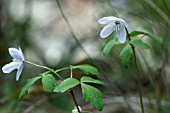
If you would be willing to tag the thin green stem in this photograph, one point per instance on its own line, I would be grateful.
(65, 68)
(138, 73)
(44, 67)
(71, 72)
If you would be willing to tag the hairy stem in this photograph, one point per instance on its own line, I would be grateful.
(44, 67)
(138, 73)
(61, 69)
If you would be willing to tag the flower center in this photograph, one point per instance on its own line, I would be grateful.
(117, 22)
(117, 25)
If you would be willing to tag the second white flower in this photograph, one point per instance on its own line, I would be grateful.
(113, 23)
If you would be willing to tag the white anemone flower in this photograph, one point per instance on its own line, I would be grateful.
(17, 62)
(75, 110)
(113, 23)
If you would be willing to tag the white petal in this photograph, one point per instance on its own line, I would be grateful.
(75, 109)
(121, 35)
(11, 66)
(15, 53)
(22, 55)
(123, 23)
(107, 20)
(107, 30)
(19, 72)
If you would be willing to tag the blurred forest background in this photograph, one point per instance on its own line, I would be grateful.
(57, 36)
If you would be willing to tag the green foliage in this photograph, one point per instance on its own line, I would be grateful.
(66, 85)
(48, 82)
(126, 55)
(87, 69)
(28, 84)
(136, 33)
(152, 36)
(155, 37)
(86, 79)
(107, 48)
(92, 94)
(138, 42)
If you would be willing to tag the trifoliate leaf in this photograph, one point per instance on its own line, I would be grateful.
(88, 69)
(86, 79)
(107, 48)
(138, 42)
(154, 37)
(27, 85)
(126, 55)
(94, 95)
(48, 82)
(66, 85)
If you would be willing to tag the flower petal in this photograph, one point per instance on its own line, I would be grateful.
(107, 30)
(22, 55)
(19, 72)
(11, 66)
(121, 34)
(124, 24)
(107, 20)
(15, 53)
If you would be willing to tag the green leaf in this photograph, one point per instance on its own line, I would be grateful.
(48, 82)
(135, 33)
(85, 79)
(126, 55)
(66, 85)
(92, 94)
(27, 85)
(107, 48)
(154, 37)
(138, 42)
(88, 69)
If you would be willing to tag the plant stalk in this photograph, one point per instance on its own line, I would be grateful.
(72, 94)
(65, 68)
(138, 73)
(44, 67)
